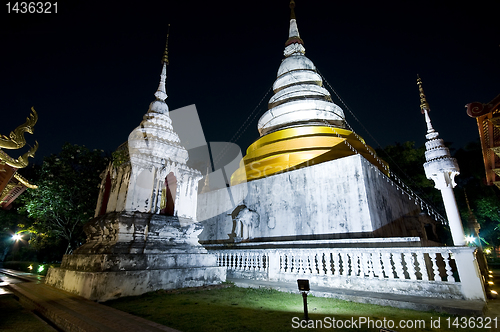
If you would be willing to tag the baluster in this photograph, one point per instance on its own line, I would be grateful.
(357, 264)
(369, 265)
(447, 262)
(410, 265)
(435, 267)
(242, 261)
(322, 263)
(362, 264)
(251, 257)
(377, 265)
(388, 266)
(336, 264)
(398, 266)
(300, 263)
(353, 264)
(311, 260)
(345, 264)
(422, 267)
(293, 263)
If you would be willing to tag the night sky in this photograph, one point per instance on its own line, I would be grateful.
(91, 70)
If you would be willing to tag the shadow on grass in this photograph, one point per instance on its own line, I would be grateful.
(241, 309)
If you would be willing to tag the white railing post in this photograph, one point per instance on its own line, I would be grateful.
(468, 271)
(273, 264)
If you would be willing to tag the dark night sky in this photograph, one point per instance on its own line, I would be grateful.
(91, 70)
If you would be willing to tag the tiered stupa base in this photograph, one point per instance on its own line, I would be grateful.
(130, 254)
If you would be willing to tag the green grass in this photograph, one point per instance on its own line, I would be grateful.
(241, 309)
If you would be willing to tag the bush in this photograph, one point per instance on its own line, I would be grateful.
(36, 268)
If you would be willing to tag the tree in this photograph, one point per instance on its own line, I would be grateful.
(484, 200)
(407, 162)
(66, 196)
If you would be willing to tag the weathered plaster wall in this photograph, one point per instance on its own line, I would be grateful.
(343, 196)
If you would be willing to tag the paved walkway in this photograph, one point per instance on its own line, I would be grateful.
(69, 312)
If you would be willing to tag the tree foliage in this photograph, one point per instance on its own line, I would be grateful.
(66, 196)
(407, 162)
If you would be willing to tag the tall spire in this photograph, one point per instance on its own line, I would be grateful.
(294, 43)
(441, 168)
(161, 93)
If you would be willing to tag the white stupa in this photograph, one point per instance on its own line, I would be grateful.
(441, 168)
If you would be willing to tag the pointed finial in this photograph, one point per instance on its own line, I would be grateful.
(292, 11)
(164, 60)
(424, 105)
(424, 108)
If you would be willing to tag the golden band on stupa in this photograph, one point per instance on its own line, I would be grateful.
(302, 125)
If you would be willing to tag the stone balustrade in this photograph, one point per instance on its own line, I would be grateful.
(447, 272)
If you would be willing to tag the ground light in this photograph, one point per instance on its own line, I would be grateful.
(16, 237)
(304, 288)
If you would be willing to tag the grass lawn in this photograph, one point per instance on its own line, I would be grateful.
(241, 309)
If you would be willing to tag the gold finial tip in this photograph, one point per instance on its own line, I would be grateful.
(424, 105)
(164, 60)
(292, 11)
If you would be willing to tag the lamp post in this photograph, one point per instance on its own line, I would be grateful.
(304, 288)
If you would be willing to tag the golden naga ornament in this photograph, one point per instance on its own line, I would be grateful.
(16, 140)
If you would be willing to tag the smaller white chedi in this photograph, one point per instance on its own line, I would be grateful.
(144, 235)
